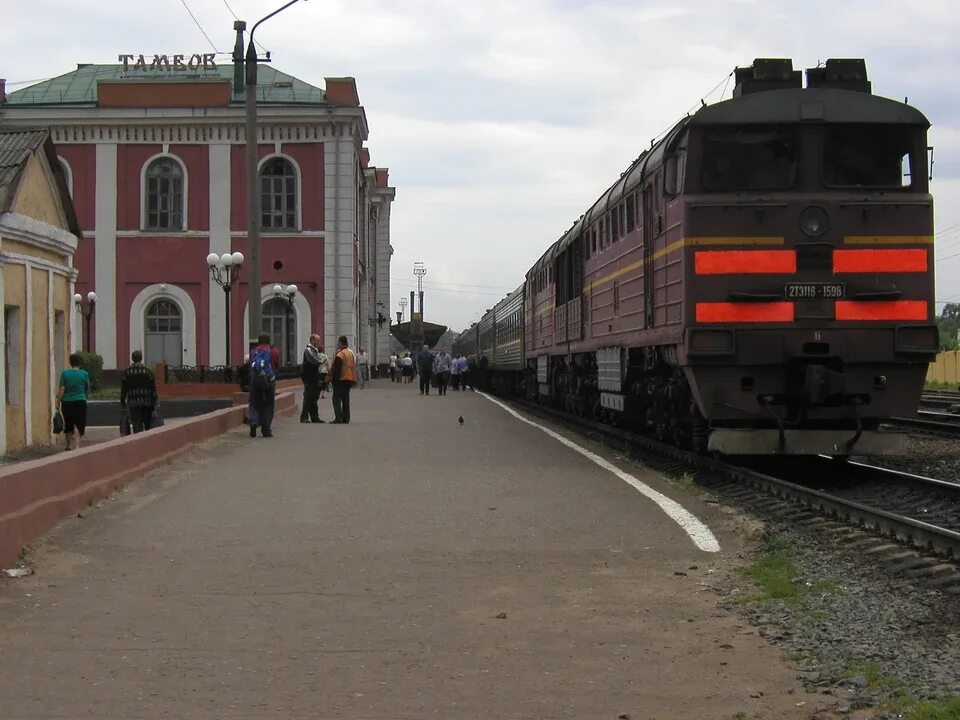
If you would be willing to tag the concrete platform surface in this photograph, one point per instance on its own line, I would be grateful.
(403, 566)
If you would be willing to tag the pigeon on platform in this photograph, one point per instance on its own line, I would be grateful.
(460, 420)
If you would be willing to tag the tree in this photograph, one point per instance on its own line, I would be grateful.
(949, 325)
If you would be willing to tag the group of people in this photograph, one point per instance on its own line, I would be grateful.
(138, 398)
(348, 369)
(316, 373)
(440, 370)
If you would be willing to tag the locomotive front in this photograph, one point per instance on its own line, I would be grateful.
(808, 242)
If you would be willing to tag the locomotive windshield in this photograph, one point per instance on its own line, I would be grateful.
(875, 156)
(750, 158)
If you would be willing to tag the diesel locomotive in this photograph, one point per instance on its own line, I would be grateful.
(760, 280)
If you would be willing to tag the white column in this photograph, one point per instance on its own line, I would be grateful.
(219, 244)
(27, 368)
(340, 165)
(51, 355)
(105, 250)
(384, 253)
(3, 375)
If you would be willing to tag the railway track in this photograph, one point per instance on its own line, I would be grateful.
(930, 422)
(921, 515)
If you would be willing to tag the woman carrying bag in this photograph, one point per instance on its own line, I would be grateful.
(72, 401)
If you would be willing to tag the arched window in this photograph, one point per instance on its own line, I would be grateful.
(163, 333)
(280, 320)
(164, 195)
(67, 174)
(278, 195)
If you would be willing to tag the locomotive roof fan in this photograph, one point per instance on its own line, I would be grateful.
(844, 74)
(767, 74)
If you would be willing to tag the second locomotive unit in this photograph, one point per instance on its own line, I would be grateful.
(759, 281)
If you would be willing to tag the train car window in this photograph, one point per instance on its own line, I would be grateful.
(673, 174)
(623, 218)
(631, 213)
(875, 156)
(750, 158)
(614, 225)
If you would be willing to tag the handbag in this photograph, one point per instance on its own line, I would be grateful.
(124, 421)
(156, 419)
(57, 423)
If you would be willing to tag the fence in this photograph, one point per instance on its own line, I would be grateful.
(220, 374)
(945, 368)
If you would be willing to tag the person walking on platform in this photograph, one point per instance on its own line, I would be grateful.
(138, 393)
(455, 372)
(425, 366)
(441, 366)
(344, 375)
(393, 367)
(465, 375)
(72, 401)
(314, 371)
(363, 368)
(264, 360)
(406, 365)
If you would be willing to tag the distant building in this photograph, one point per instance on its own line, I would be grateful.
(39, 234)
(154, 157)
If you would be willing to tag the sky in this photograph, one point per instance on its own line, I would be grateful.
(502, 122)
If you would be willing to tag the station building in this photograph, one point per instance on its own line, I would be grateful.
(39, 234)
(154, 158)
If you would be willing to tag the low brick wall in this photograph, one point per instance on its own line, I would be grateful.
(36, 495)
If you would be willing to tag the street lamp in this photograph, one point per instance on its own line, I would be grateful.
(287, 295)
(88, 311)
(253, 191)
(225, 269)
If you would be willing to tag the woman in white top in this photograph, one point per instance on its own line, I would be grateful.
(393, 367)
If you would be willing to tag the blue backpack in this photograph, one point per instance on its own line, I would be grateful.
(260, 366)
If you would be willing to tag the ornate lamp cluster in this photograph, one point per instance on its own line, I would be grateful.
(225, 270)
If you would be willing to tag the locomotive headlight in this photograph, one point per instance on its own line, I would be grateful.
(813, 221)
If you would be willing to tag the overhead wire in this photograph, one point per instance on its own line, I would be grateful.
(236, 18)
(199, 26)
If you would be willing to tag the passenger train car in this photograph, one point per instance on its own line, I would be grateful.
(760, 280)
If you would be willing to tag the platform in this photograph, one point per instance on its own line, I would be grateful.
(401, 566)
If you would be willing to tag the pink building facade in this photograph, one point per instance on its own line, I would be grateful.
(155, 163)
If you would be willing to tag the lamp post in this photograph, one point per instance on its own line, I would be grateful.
(87, 312)
(253, 192)
(225, 269)
(403, 310)
(287, 295)
(419, 270)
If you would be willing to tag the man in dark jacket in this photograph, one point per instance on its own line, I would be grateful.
(313, 373)
(138, 393)
(425, 366)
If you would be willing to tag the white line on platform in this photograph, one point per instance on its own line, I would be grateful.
(701, 535)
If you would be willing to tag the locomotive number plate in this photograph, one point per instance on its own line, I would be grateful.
(814, 291)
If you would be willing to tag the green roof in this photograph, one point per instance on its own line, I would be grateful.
(79, 88)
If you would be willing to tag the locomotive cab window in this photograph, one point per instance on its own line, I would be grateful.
(870, 156)
(750, 158)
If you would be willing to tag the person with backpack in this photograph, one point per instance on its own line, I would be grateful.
(263, 386)
(344, 376)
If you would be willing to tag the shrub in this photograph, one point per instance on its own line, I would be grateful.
(93, 364)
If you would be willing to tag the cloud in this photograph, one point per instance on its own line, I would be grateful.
(502, 122)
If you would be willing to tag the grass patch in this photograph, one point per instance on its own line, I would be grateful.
(775, 574)
(105, 394)
(939, 386)
(684, 481)
(941, 710)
